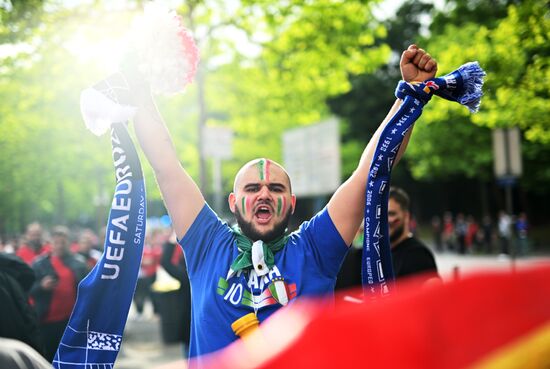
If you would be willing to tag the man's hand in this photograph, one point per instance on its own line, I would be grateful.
(48, 282)
(417, 65)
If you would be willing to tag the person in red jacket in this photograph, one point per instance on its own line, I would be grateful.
(85, 246)
(54, 291)
(33, 245)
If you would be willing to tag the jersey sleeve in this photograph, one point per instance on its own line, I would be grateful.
(200, 241)
(325, 243)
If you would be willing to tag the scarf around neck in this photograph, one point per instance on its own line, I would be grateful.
(243, 261)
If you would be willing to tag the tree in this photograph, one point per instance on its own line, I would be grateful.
(306, 51)
(50, 173)
(515, 55)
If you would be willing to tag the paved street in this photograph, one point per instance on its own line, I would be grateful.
(143, 348)
(449, 264)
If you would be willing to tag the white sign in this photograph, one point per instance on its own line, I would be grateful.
(311, 155)
(507, 152)
(217, 142)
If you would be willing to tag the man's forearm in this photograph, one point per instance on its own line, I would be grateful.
(154, 137)
(347, 206)
(181, 195)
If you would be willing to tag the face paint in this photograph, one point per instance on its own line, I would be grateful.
(243, 205)
(281, 205)
(263, 167)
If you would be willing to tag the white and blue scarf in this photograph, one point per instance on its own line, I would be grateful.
(93, 336)
(463, 86)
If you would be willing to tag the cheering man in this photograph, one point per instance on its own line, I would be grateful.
(255, 267)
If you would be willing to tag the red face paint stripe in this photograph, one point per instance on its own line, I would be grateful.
(267, 165)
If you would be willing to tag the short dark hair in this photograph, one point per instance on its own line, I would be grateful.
(400, 196)
(60, 231)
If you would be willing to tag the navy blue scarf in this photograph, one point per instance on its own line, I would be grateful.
(463, 86)
(94, 334)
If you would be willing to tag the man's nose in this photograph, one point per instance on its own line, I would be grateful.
(264, 192)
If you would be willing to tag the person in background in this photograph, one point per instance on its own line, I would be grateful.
(9, 245)
(522, 228)
(472, 231)
(437, 233)
(350, 271)
(54, 292)
(86, 247)
(487, 234)
(173, 262)
(504, 232)
(152, 251)
(17, 318)
(33, 245)
(448, 231)
(409, 255)
(461, 228)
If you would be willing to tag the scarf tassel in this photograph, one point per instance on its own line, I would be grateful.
(464, 85)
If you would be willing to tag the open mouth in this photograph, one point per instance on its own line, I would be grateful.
(263, 214)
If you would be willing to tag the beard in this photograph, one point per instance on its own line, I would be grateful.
(397, 233)
(247, 228)
(35, 244)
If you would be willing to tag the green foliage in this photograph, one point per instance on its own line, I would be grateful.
(268, 66)
(18, 19)
(515, 55)
(311, 49)
(59, 172)
(53, 169)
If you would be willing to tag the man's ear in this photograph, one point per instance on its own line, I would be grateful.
(231, 200)
(293, 203)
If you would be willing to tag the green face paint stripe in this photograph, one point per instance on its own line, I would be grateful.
(243, 205)
(261, 165)
(279, 206)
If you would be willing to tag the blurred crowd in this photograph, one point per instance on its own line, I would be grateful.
(464, 234)
(41, 269)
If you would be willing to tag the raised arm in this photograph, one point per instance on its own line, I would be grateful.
(347, 205)
(181, 195)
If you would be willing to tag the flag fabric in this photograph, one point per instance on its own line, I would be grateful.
(486, 320)
(93, 336)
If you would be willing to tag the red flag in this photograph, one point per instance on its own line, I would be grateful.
(486, 320)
